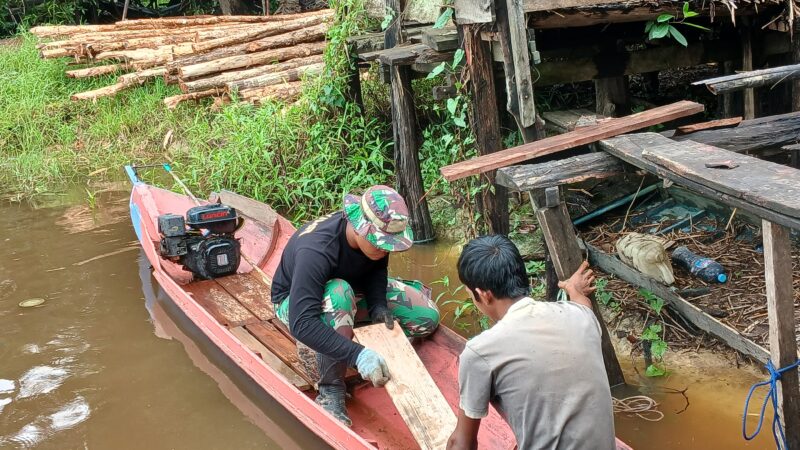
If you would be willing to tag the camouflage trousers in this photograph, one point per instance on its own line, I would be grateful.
(409, 301)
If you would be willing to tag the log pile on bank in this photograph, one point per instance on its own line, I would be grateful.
(252, 57)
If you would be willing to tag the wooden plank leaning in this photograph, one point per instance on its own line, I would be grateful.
(586, 135)
(416, 396)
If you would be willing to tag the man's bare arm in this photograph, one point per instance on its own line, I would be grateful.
(580, 285)
(465, 436)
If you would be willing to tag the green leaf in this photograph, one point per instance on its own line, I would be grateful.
(694, 25)
(458, 57)
(663, 18)
(443, 18)
(658, 348)
(685, 8)
(436, 71)
(460, 121)
(659, 30)
(689, 14)
(648, 26)
(651, 333)
(678, 36)
(655, 371)
(451, 105)
(387, 18)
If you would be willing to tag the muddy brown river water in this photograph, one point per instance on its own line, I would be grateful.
(103, 364)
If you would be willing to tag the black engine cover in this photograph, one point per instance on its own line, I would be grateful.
(212, 257)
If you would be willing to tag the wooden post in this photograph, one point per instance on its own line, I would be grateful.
(747, 65)
(353, 92)
(795, 36)
(406, 143)
(780, 310)
(556, 225)
(726, 107)
(486, 123)
(612, 97)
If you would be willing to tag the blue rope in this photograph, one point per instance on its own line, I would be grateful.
(777, 429)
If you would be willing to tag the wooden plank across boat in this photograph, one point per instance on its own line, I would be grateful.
(235, 313)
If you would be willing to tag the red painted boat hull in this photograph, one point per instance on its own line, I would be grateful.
(376, 422)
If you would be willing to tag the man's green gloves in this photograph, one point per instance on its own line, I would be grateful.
(372, 367)
(381, 314)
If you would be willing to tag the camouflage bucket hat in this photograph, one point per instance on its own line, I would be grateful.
(381, 217)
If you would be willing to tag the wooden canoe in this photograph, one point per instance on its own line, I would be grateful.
(235, 314)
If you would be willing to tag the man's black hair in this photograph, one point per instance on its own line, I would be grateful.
(493, 263)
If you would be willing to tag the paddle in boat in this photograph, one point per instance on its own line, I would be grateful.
(218, 275)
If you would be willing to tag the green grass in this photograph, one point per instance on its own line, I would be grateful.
(301, 158)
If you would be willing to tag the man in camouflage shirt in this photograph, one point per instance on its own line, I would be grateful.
(333, 273)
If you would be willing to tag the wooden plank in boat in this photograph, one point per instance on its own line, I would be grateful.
(279, 345)
(268, 357)
(251, 292)
(220, 304)
(413, 391)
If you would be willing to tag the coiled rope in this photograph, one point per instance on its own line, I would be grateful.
(641, 406)
(777, 429)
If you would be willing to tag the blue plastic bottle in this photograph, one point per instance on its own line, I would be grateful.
(704, 268)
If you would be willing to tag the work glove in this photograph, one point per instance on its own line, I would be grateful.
(381, 314)
(372, 367)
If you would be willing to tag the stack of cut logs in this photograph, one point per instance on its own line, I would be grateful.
(252, 57)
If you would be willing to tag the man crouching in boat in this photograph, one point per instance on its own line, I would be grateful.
(333, 273)
(541, 364)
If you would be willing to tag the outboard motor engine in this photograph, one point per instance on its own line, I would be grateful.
(207, 248)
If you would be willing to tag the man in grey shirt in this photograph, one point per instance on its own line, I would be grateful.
(541, 364)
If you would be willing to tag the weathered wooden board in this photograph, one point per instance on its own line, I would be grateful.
(570, 119)
(280, 346)
(268, 357)
(763, 183)
(546, 5)
(413, 391)
(220, 304)
(563, 171)
(710, 125)
(441, 39)
(251, 292)
(474, 11)
(750, 135)
(629, 148)
(587, 135)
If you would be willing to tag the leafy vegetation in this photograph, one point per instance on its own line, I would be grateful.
(605, 297)
(664, 25)
(653, 335)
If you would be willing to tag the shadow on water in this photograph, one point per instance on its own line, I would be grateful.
(93, 368)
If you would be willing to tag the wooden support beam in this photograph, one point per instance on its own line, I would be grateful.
(794, 152)
(567, 257)
(747, 65)
(781, 313)
(586, 135)
(751, 79)
(521, 61)
(474, 11)
(612, 96)
(726, 104)
(795, 37)
(440, 39)
(548, 5)
(630, 148)
(493, 202)
(611, 265)
(404, 130)
(749, 135)
(414, 393)
(559, 172)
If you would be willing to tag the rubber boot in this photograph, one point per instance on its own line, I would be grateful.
(332, 390)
